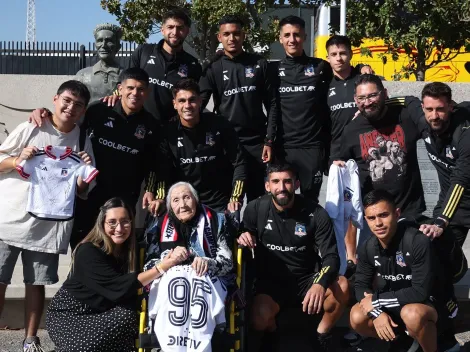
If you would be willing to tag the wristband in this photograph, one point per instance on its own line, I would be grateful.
(159, 268)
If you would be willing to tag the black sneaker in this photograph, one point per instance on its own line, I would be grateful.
(324, 341)
(350, 269)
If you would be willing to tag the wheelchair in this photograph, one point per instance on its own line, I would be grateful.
(232, 338)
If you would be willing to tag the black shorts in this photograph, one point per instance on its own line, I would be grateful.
(310, 165)
(285, 293)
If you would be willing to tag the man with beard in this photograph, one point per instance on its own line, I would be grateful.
(447, 141)
(286, 231)
(166, 63)
(400, 120)
(241, 84)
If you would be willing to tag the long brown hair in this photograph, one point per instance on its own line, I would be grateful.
(98, 236)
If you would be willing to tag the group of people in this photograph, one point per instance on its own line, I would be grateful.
(276, 127)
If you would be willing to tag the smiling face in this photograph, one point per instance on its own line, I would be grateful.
(183, 203)
(133, 94)
(107, 45)
(437, 112)
(282, 186)
(292, 38)
(174, 32)
(68, 108)
(382, 219)
(117, 225)
(188, 105)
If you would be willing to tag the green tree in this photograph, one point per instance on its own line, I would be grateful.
(140, 18)
(428, 31)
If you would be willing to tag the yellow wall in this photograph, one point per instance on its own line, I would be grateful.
(450, 71)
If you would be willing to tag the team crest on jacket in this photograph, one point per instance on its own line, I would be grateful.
(140, 132)
(210, 139)
(449, 152)
(347, 195)
(400, 259)
(309, 71)
(64, 172)
(300, 230)
(183, 71)
(249, 72)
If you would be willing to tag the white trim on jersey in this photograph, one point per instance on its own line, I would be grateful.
(344, 203)
(186, 309)
(53, 173)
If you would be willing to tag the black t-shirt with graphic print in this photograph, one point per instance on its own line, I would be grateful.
(386, 154)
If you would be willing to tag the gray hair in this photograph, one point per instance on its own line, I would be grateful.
(109, 27)
(179, 184)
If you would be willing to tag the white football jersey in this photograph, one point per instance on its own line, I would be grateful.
(53, 173)
(344, 203)
(186, 309)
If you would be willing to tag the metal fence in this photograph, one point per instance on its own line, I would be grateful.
(48, 58)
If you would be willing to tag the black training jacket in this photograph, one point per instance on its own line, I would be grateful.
(303, 89)
(450, 155)
(164, 71)
(208, 156)
(125, 148)
(403, 275)
(289, 241)
(240, 86)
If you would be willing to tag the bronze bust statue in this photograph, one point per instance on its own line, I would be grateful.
(102, 78)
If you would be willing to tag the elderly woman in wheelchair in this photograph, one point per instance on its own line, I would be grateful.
(189, 247)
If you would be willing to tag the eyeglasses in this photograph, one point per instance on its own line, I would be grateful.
(113, 224)
(371, 97)
(67, 102)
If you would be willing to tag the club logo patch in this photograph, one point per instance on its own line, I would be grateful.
(210, 139)
(249, 72)
(400, 259)
(64, 172)
(309, 71)
(140, 132)
(300, 230)
(183, 71)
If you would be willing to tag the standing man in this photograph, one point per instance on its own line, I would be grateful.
(303, 135)
(125, 141)
(41, 236)
(365, 140)
(166, 63)
(286, 232)
(447, 141)
(204, 150)
(240, 85)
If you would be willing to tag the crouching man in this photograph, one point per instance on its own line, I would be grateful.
(394, 279)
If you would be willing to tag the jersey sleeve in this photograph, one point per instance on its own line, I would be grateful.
(325, 241)
(93, 270)
(25, 168)
(459, 178)
(87, 172)
(365, 273)
(333, 190)
(236, 155)
(421, 280)
(270, 101)
(207, 85)
(15, 142)
(413, 108)
(134, 60)
(250, 218)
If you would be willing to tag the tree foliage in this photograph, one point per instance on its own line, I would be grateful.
(427, 31)
(140, 18)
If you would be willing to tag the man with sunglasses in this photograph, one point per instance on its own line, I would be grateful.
(368, 139)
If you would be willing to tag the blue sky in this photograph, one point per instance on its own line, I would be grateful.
(56, 20)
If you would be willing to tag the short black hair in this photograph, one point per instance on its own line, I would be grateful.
(135, 73)
(292, 20)
(376, 196)
(178, 14)
(437, 90)
(188, 84)
(339, 40)
(232, 19)
(76, 88)
(369, 78)
(281, 167)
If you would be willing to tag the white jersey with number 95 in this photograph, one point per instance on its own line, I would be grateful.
(186, 309)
